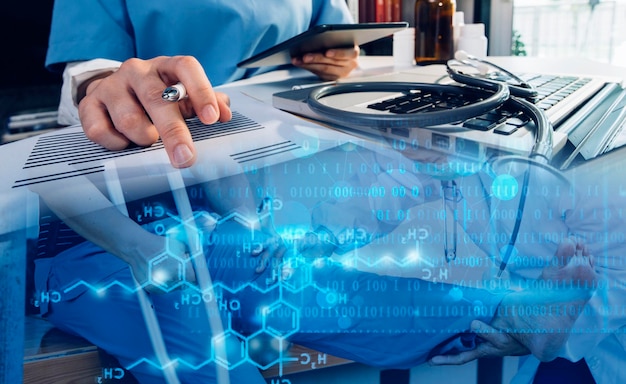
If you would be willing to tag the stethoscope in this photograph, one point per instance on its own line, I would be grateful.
(492, 92)
(487, 71)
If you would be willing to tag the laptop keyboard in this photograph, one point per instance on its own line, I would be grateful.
(419, 101)
(551, 90)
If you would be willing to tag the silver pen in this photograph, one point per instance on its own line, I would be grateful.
(174, 92)
(312, 85)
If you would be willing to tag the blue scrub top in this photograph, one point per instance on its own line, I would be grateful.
(219, 33)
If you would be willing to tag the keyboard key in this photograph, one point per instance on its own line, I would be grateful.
(411, 108)
(506, 129)
(518, 121)
(479, 124)
(495, 116)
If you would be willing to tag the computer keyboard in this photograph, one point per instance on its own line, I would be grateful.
(423, 101)
(551, 90)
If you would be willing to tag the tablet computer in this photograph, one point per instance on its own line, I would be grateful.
(321, 38)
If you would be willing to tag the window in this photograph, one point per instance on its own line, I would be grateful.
(591, 29)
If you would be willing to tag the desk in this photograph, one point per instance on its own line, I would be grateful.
(15, 228)
(262, 86)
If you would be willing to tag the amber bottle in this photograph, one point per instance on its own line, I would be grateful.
(434, 38)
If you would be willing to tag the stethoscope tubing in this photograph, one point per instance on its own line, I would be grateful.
(496, 95)
(523, 89)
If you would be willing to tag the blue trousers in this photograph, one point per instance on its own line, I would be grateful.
(378, 320)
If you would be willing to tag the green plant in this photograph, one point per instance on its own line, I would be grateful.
(518, 48)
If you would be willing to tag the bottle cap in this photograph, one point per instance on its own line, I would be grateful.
(458, 18)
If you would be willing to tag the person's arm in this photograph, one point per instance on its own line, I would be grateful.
(517, 331)
(126, 106)
(121, 106)
(87, 211)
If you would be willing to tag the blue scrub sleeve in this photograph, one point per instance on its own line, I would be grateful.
(331, 12)
(93, 29)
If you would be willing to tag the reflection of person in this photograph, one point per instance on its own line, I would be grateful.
(591, 209)
(395, 326)
(555, 218)
(161, 43)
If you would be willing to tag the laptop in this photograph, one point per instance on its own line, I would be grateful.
(559, 96)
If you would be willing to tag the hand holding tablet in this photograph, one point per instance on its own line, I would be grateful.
(320, 39)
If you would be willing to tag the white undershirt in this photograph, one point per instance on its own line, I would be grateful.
(74, 75)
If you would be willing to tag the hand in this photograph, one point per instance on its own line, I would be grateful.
(318, 244)
(155, 271)
(573, 281)
(126, 106)
(572, 269)
(494, 343)
(163, 263)
(330, 65)
(312, 245)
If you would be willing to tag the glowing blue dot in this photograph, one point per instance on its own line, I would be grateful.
(349, 146)
(344, 322)
(456, 293)
(504, 187)
(358, 300)
(327, 299)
